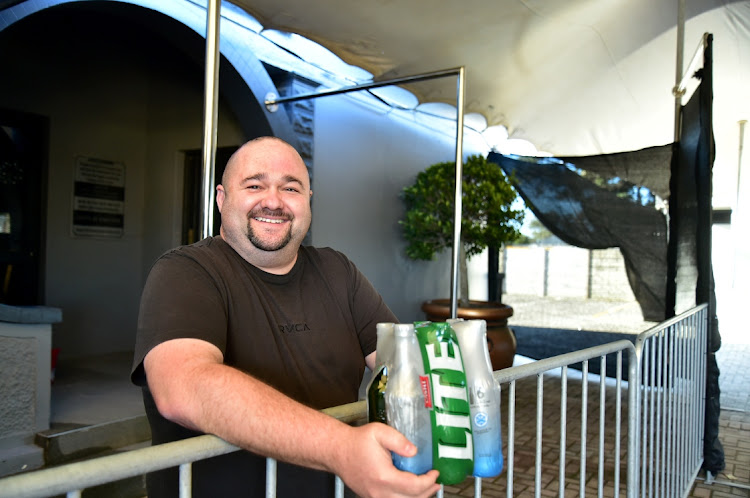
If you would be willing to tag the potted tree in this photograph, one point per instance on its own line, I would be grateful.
(490, 218)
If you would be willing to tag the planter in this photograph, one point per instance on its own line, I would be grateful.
(501, 341)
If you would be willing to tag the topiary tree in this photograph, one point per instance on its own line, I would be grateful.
(490, 216)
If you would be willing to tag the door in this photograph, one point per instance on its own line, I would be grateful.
(23, 172)
(192, 192)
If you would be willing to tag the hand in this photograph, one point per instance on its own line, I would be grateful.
(366, 467)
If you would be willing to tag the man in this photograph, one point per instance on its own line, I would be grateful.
(247, 335)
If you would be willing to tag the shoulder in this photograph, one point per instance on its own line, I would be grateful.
(211, 255)
(326, 257)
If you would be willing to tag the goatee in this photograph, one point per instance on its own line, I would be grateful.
(258, 241)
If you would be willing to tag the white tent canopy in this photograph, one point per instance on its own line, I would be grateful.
(578, 77)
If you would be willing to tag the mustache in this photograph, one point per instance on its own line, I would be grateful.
(270, 213)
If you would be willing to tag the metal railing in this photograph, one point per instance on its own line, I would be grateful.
(672, 361)
(644, 420)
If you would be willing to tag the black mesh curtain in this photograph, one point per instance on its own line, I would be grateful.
(579, 208)
(690, 277)
(596, 202)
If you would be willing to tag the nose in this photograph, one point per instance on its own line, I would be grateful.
(272, 199)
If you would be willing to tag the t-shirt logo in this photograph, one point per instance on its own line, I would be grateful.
(291, 328)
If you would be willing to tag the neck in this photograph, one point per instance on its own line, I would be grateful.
(278, 262)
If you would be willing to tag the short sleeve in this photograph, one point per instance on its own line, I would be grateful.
(181, 299)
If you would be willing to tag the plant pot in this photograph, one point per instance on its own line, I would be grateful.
(501, 341)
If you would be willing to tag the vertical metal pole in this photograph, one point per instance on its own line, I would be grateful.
(678, 68)
(271, 477)
(210, 113)
(741, 148)
(186, 480)
(460, 91)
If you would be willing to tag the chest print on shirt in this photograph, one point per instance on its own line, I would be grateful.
(292, 328)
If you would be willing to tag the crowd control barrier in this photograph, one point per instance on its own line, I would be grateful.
(566, 430)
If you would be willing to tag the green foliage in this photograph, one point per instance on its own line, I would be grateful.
(488, 214)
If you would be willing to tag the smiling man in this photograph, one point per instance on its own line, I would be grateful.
(248, 335)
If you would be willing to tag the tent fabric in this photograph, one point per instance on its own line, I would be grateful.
(581, 213)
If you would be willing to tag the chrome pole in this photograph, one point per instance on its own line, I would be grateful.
(678, 68)
(460, 92)
(272, 102)
(210, 114)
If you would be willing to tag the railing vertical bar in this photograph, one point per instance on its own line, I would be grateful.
(701, 386)
(618, 417)
(684, 406)
(339, 487)
(511, 436)
(695, 360)
(647, 406)
(539, 418)
(477, 487)
(602, 410)
(660, 434)
(671, 419)
(271, 474)
(634, 403)
(186, 480)
(563, 428)
(584, 422)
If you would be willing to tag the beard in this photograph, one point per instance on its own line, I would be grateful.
(268, 245)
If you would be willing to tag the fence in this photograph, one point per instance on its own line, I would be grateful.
(659, 387)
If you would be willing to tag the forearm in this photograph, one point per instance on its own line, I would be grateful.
(248, 413)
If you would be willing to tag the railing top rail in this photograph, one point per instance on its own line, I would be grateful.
(547, 364)
(647, 334)
(93, 472)
(88, 473)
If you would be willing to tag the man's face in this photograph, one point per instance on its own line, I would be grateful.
(264, 199)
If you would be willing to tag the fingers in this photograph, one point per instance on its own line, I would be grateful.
(375, 476)
(392, 440)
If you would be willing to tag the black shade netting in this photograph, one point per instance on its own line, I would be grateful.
(598, 211)
(690, 269)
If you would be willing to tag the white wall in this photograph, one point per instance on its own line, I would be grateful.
(363, 159)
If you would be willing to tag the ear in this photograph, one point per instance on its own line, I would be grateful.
(220, 195)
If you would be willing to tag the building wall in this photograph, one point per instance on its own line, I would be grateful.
(108, 99)
(123, 95)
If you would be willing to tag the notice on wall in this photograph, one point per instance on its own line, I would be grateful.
(98, 198)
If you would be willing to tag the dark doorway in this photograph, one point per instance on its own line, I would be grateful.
(23, 174)
(192, 192)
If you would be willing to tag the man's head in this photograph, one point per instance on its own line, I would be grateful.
(264, 200)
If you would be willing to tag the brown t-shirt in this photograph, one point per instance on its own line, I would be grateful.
(306, 333)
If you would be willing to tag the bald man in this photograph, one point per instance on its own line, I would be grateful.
(249, 334)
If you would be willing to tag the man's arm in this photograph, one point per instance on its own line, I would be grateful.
(191, 386)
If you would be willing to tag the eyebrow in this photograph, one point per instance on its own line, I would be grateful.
(264, 176)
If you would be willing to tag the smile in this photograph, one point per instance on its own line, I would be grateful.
(269, 220)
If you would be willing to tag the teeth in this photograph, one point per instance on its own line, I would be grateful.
(269, 220)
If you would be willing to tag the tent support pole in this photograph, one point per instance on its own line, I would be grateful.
(210, 113)
(272, 103)
(678, 68)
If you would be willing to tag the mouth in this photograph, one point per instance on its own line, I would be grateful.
(269, 220)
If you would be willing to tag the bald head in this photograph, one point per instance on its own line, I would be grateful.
(257, 148)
